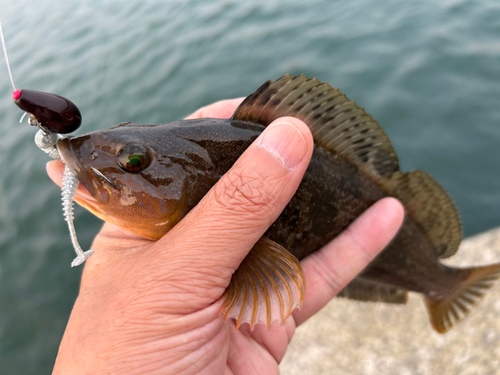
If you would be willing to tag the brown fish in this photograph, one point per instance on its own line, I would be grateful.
(146, 178)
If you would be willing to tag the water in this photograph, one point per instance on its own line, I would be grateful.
(428, 71)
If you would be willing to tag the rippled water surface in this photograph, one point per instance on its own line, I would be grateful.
(428, 71)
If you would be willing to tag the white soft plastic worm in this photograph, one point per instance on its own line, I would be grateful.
(46, 141)
(69, 185)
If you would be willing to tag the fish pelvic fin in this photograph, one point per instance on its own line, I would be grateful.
(337, 123)
(447, 311)
(267, 286)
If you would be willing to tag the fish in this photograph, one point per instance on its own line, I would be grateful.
(146, 178)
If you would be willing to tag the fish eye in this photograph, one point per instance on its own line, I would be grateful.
(134, 158)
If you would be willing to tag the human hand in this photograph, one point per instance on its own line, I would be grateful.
(152, 307)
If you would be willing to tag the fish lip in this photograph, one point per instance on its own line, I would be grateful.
(69, 158)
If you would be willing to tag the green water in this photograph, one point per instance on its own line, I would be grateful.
(428, 72)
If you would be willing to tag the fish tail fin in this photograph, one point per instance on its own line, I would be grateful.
(445, 312)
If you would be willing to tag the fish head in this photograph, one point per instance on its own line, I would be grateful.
(136, 175)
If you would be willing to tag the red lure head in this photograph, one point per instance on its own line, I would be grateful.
(16, 94)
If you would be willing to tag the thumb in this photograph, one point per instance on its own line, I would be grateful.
(220, 231)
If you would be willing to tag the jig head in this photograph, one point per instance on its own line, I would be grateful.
(51, 113)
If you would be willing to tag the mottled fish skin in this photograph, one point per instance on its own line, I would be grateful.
(331, 196)
(353, 166)
(188, 158)
(191, 156)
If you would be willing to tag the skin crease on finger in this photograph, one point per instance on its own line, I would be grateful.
(151, 307)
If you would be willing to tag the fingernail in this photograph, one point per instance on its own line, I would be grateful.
(284, 141)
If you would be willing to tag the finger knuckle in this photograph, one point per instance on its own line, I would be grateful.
(329, 274)
(248, 192)
(363, 249)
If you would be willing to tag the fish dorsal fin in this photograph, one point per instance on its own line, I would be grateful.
(430, 206)
(337, 124)
(364, 290)
(266, 287)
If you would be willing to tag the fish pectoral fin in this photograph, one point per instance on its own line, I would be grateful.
(368, 291)
(446, 311)
(267, 286)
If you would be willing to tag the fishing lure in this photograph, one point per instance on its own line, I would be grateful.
(53, 115)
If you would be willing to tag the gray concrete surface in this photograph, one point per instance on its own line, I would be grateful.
(350, 338)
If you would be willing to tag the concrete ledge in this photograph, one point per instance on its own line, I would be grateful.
(350, 338)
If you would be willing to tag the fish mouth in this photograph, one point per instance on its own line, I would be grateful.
(70, 160)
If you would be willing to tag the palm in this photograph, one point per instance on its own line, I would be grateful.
(212, 341)
(258, 351)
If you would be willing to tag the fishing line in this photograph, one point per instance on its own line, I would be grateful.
(6, 56)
